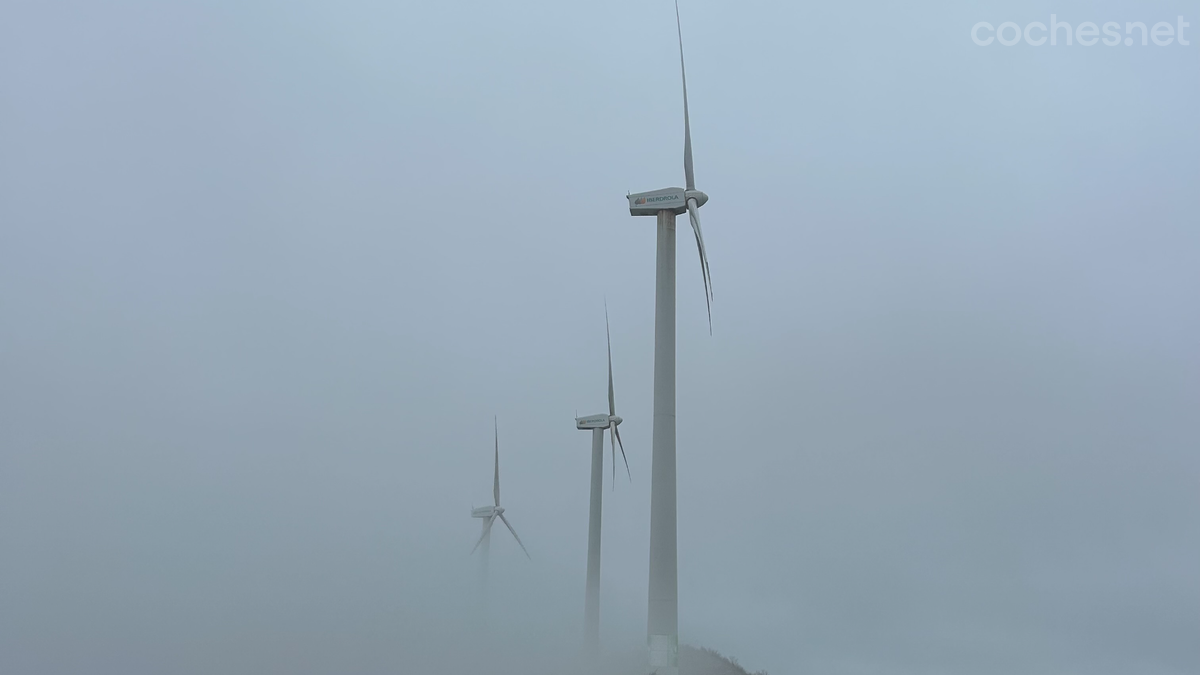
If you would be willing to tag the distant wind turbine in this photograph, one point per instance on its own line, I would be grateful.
(489, 514)
(598, 424)
(663, 607)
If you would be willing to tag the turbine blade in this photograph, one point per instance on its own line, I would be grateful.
(487, 528)
(612, 404)
(496, 484)
(694, 216)
(614, 458)
(627, 472)
(514, 534)
(687, 127)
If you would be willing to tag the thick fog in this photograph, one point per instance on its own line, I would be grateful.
(269, 270)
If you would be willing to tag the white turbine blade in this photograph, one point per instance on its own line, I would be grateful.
(612, 403)
(694, 216)
(514, 534)
(687, 127)
(496, 485)
(614, 457)
(486, 528)
(617, 433)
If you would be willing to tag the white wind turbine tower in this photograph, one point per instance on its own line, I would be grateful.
(489, 514)
(663, 607)
(598, 424)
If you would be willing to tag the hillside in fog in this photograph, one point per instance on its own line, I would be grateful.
(692, 661)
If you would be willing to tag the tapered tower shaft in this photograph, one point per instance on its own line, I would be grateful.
(483, 563)
(663, 615)
(591, 603)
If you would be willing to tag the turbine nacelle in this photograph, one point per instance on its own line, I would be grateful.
(486, 511)
(667, 199)
(597, 421)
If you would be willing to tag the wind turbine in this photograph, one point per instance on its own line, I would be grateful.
(489, 514)
(662, 625)
(598, 424)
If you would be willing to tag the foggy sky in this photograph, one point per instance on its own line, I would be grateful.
(269, 269)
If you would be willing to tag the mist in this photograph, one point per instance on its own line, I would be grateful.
(271, 271)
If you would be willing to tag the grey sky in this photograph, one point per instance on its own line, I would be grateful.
(268, 270)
